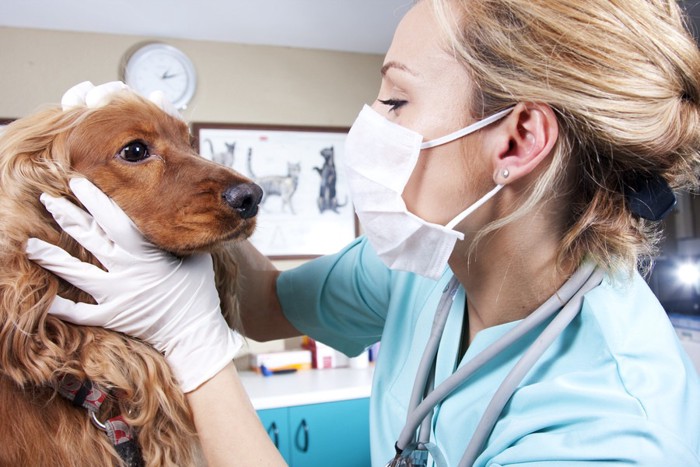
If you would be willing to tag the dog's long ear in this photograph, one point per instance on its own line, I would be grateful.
(32, 161)
(225, 274)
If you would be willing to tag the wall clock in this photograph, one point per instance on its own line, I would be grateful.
(158, 66)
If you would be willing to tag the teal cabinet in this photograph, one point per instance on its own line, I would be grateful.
(331, 433)
(276, 422)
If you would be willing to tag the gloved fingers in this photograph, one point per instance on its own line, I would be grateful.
(75, 96)
(202, 263)
(109, 217)
(85, 94)
(159, 99)
(58, 261)
(83, 314)
(83, 228)
(102, 94)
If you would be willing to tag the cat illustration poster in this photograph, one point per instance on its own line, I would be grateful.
(306, 209)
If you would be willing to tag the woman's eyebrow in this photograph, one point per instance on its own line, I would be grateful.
(398, 66)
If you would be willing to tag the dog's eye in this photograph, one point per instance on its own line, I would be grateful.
(135, 151)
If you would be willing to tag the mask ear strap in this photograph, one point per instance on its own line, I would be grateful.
(467, 130)
(460, 217)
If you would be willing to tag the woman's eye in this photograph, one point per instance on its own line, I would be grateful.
(394, 104)
(135, 151)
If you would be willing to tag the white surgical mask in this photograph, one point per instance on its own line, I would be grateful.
(380, 156)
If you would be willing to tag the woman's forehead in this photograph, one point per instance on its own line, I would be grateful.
(418, 46)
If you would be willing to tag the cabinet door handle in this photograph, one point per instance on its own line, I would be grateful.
(274, 434)
(302, 429)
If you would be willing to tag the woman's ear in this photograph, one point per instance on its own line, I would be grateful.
(523, 140)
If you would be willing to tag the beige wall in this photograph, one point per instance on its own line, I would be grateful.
(236, 83)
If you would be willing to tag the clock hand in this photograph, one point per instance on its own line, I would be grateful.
(166, 75)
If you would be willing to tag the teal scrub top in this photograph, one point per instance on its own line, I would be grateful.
(615, 388)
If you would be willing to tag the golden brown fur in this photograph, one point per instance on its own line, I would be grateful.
(176, 201)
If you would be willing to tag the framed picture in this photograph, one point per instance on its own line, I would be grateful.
(306, 209)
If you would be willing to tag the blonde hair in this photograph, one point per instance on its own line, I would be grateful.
(622, 78)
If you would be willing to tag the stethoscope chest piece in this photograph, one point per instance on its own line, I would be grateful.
(418, 455)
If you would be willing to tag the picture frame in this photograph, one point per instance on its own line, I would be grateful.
(306, 210)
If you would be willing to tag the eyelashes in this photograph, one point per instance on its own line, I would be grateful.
(394, 104)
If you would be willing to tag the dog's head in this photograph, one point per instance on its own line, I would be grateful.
(143, 159)
(137, 154)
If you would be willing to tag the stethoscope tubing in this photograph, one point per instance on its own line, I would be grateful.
(418, 410)
(431, 347)
(522, 367)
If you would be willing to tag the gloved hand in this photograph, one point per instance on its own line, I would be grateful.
(147, 293)
(90, 96)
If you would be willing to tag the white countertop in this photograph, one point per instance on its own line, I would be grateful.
(307, 387)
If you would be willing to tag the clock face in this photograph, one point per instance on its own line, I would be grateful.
(161, 67)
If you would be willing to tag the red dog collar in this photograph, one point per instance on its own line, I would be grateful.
(90, 397)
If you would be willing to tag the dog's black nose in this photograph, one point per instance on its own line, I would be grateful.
(244, 198)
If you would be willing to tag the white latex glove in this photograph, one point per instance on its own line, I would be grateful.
(147, 293)
(86, 94)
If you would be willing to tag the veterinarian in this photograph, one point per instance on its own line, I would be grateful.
(509, 179)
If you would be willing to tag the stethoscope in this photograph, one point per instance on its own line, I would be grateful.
(413, 446)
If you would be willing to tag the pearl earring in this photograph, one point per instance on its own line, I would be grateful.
(505, 173)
